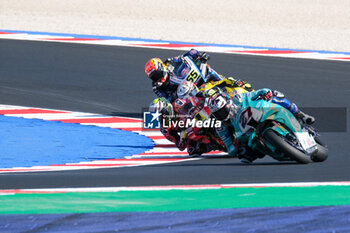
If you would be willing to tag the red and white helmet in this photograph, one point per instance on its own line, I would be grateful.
(156, 70)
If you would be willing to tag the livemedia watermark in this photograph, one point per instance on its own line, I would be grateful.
(155, 120)
(328, 119)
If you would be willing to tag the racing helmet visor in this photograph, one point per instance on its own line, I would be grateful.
(156, 75)
(222, 114)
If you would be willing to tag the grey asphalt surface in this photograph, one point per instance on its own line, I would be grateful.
(111, 80)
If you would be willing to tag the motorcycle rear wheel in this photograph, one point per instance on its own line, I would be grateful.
(285, 148)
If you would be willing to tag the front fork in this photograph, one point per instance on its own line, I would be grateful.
(256, 140)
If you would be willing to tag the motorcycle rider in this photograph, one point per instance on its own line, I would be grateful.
(224, 108)
(186, 107)
(165, 76)
(171, 133)
(191, 102)
(165, 81)
(277, 97)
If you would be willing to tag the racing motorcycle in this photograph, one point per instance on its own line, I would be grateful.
(273, 130)
(189, 71)
(200, 140)
(231, 91)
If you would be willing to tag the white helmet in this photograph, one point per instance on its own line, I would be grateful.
(222, 108)
(186, 89)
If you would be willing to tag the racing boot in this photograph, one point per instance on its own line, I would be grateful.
(304, 117)
(246, 159)
(247, 155)
(193, 152)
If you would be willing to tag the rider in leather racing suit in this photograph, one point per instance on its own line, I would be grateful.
(165, 79)
(224, 108)
(191, 101)
(171, 133)
(187, 105)
(166, 76)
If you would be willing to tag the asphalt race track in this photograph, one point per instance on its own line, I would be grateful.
(111, 80)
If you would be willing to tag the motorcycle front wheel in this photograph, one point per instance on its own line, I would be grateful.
(322, 153)
(285, 148)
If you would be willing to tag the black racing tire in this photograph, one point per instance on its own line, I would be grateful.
(286, 148)
(321, 155)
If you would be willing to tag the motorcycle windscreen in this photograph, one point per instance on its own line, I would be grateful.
(188, 71)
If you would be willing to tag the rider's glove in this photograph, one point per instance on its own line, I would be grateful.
(167, 61)
(176, 60)
(239, 83)
(235, 82)
(267, 96)
(204, 57)
(157, 84)
(231, 81)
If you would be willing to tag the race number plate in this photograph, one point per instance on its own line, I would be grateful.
(307, 142)
(193, 73)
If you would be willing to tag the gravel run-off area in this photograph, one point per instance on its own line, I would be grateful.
(294, 24)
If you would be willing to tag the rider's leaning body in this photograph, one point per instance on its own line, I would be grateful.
(167, 76)
(228, 133)
(166, 80)
(171, 132)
